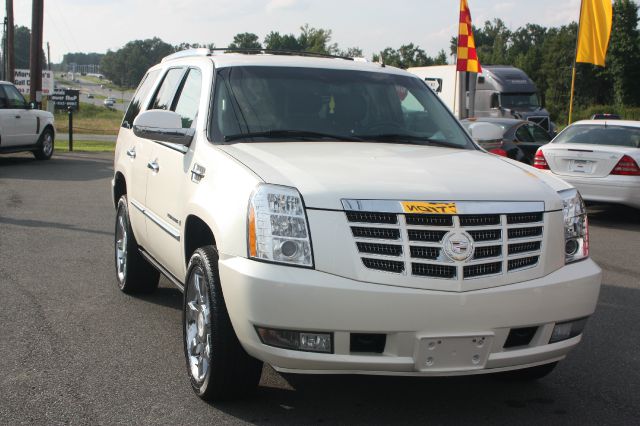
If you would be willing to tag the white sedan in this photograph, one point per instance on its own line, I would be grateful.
(600, 158)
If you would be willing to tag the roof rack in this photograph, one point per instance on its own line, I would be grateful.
(208, 52)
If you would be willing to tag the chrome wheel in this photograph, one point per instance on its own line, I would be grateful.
(47, 144)
(121, 248)
(198, 326)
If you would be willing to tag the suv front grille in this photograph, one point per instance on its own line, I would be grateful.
(413, 244)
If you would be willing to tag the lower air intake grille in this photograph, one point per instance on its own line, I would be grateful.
(384, 265)
(523, 262)
(435, 271)
(484, 269)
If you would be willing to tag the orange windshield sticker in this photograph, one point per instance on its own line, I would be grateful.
(421, 207)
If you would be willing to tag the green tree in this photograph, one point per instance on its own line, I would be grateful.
(623, 56)
(21, 47)
(316, 40)
(441, 58)
(245, 41)
(408, 55)
(275, 41)
(126, 66)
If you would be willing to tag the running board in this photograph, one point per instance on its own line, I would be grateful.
(162, 269)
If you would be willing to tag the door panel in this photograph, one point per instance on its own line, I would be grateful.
(165, 216)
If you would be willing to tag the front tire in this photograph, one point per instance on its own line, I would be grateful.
(45, 150)
(133, 273)
(218, 366)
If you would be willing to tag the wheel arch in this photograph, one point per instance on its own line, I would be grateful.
(119, 188)
(196, 234)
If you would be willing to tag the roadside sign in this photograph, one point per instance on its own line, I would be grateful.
(22, 80)
(434, 83)
(63, 99)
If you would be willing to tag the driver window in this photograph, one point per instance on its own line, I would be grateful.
(3, 99)
(495, 100)
(539, 134)
(14, 98)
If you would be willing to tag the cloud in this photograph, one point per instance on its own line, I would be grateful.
(281, 4)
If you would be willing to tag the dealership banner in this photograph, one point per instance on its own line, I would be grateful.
(22, 80)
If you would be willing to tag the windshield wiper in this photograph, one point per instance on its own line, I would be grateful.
(406, 138)
(290, 134)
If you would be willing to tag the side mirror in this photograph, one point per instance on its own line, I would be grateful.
(163, 126)
(31, 105)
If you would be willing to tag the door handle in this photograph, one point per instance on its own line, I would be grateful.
(153, 165)
(131, 153)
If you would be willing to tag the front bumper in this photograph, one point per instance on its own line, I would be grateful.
(283, 297)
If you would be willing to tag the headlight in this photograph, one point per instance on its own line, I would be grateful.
(277, 226)
(576, 228)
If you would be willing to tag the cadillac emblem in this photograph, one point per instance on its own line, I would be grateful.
(458, 245)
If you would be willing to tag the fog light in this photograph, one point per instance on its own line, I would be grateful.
(296, 340)
(567, 330)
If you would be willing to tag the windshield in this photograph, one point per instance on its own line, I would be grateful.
(257, 104)
(519, 100)
(600, 135)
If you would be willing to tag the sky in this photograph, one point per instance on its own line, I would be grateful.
(372, 25)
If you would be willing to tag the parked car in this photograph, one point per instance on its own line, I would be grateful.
(605, 116)
(325, 215)
(599, 158)
(22, 127)
(109, 102)
(520, 139)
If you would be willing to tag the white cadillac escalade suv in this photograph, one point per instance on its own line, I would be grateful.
(327, 215)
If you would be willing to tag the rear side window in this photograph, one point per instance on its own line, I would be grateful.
(167, 89)
(141, 94)
(189, 98)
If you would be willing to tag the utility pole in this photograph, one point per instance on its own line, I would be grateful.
(36, 49)
(48, 57)
(10, 46)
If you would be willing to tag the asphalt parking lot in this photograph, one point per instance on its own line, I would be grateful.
(74, 349)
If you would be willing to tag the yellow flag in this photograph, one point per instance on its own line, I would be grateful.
(595, 28)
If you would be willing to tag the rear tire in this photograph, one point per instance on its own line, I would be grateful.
(218, 366)
(528, 374)
(45, 149)
(133, 273)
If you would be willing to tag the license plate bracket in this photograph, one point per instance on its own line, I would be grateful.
(452, 353)
(581, 166)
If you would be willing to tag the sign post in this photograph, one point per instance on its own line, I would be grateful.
(70, 112)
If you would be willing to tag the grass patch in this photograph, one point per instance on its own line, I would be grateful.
(91, 119)
(62, 145)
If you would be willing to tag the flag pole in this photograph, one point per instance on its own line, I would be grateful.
(573, 72)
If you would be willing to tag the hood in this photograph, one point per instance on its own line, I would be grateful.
(326, 172)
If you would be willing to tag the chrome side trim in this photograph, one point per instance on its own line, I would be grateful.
(155, 219)
(463, 207)
(162, 269)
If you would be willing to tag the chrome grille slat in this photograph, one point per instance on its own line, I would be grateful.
(412, 244)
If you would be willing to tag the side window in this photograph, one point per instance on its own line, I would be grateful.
(539, 134)
(141, 94)
(189, 98)
(3, 99)
(14, 98)
(167, 89)
(523, 135)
